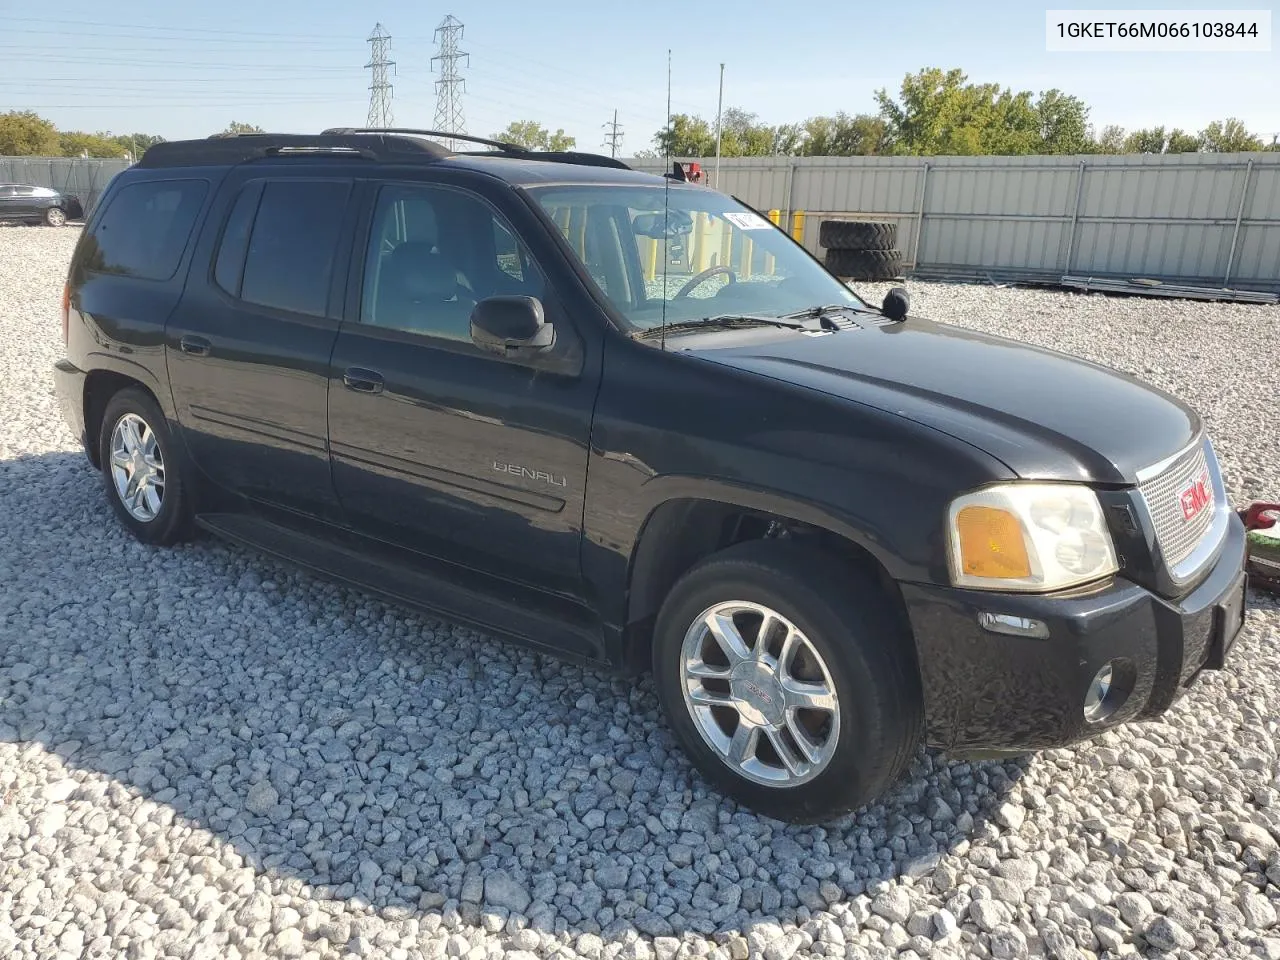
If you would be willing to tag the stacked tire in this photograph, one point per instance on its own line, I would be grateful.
(861, 249)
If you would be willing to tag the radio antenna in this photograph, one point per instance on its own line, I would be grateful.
(666, 209)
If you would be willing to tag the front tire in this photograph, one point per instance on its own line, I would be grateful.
(788, 677)
(55, 217)
(141, 469)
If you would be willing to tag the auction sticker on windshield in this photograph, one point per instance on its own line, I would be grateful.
(747, 221)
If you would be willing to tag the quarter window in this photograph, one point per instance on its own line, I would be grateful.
(144, 229)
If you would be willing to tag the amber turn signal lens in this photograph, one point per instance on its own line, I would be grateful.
(991, 543)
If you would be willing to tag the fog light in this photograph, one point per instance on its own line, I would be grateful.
(1109, 689)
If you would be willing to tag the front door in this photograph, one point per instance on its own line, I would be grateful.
(249, 347)
(436, 445)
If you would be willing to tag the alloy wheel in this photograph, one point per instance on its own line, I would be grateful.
(137, 467)
(760, 694)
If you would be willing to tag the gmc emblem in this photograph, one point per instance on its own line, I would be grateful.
(1196, 497)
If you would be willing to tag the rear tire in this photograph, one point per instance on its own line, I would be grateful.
(864, 734)
(142, 469)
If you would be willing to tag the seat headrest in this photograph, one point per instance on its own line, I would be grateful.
(417, 273)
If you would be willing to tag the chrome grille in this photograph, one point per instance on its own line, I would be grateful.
(1177, 536)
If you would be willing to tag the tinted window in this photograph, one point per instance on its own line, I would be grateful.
(145, 228)
(292, 246)
(433, 254)
(7, 191)
(235, 240)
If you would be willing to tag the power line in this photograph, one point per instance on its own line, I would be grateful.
(380, 92)
(450, 86)
(613, 138)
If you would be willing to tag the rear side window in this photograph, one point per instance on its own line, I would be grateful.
(292, 245)
(145, 228)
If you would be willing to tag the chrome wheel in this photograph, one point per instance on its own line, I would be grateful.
(760, 694)
(137, 467)
(55, 217)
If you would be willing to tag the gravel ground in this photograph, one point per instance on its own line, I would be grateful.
(204, 753)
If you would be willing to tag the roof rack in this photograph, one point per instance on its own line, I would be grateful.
(504, 146)
(388, 144)
(239, 147)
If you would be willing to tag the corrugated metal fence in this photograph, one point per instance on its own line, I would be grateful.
(1206, 219)
(85, 179)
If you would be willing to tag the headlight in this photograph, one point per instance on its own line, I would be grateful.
(1028, 537)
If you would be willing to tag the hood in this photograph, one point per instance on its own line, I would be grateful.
(1046, 415)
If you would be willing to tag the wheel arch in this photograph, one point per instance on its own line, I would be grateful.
(685, 528)
(100, 385)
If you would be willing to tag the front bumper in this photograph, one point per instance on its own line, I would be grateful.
(68, 383)
(990, 691)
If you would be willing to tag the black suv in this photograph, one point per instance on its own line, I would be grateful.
(626, 419)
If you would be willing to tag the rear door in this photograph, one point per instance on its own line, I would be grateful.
(248, 351)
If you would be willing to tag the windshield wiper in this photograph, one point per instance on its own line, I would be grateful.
(722, 320)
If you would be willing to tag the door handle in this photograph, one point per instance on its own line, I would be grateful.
(196, 346)
(361, 380)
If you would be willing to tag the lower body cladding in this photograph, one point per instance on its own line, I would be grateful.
(1113, 655)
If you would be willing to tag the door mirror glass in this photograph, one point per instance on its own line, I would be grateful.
(511, 326)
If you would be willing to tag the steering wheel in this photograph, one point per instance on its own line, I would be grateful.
(704, 275)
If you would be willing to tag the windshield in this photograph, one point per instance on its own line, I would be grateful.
(705, 255)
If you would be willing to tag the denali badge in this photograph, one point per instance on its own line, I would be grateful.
(757, 692)
(518, 471)
(1196, 497)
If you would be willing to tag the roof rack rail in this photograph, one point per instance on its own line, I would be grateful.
(523, 153)
(503, 145)
(240, 147)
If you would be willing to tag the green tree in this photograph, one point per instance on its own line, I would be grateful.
(788, 139)
(688, 137)
(1146, 141)
(941, 113)
(74, 143)
(1182, 142)
(534, 136)
(1063, 123)
(861, 135)
(235, 126)
(136, 144)
(1110, 140)
(1228, 136)
(27, 134)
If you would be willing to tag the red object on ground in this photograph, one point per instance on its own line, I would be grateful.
(1262, 552)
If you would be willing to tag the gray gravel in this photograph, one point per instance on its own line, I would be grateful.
(207, 754)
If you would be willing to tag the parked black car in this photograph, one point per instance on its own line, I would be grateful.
(476, 383)
(38, 204)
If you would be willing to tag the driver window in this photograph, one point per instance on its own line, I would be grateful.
(433, 254)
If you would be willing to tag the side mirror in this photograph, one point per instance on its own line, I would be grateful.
(896, 303)
(511, 326)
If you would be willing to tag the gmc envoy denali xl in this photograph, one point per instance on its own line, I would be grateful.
(624, 418)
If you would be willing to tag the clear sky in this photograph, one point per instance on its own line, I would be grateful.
(180, 69)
